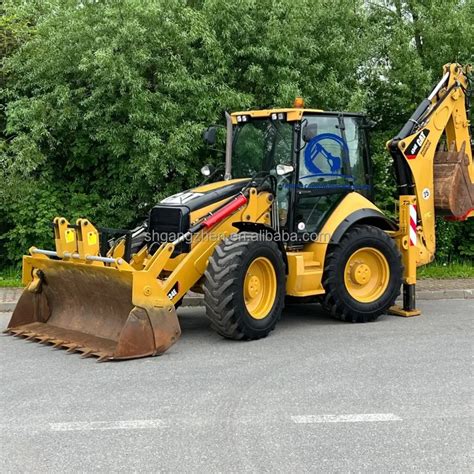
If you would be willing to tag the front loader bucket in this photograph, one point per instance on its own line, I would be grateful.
(453, 189)
(89, 309)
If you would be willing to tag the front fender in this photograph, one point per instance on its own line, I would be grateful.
(259, 227)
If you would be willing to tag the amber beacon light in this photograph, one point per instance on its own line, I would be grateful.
(298, 103)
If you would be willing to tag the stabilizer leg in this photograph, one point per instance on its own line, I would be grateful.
(409, 303)
(408, 239)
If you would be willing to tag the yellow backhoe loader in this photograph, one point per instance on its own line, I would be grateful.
(289, 216)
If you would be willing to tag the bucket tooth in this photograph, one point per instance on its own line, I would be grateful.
(30, 336)
(87, 353)
(45, 340)
(72, 347)
(103, 357)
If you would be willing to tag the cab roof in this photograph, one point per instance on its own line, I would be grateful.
(291, 114)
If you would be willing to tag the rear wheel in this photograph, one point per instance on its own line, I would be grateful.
(362, 275)
(244, 286)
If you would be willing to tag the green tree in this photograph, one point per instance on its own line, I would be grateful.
(106, 101)
(411, 42)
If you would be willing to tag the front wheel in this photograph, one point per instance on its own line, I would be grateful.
(362, 275)
(244, 286)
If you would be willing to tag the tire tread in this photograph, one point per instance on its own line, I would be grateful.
(221, 284)
(332, 300)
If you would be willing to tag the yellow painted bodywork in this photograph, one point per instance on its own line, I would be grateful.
(199, 213)
(150, 286)
(306, 268)
(399, 311)
(304, 274)
(412, 256)
(219, 184)
(292, 114)
(155, 276)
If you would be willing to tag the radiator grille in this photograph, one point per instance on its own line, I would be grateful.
(167, 224)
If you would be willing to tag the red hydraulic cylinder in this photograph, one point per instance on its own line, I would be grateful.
(225, 211)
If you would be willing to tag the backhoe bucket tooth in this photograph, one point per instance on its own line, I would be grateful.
(89, 309)
(453, 189)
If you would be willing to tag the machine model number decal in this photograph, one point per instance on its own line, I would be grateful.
(415, 146)
(174, 291)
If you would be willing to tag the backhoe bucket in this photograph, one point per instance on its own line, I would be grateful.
(89, 309)
(453, 189)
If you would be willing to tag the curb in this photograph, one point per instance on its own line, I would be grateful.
(445, 295)
(198, 300)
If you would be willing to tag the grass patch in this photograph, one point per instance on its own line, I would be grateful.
(446, 271)
(10, 277)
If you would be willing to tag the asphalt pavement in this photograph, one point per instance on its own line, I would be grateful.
(317, 395)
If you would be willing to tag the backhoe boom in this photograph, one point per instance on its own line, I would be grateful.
(432, 179)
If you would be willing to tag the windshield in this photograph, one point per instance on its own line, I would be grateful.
(260, 145)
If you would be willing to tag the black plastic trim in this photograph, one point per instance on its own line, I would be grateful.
(362, 216)
(256, 227)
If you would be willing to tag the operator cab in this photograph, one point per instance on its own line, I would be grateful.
(316, 157)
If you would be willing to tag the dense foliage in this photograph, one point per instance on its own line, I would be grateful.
(105, 101)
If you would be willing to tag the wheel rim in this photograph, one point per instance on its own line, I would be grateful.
(260, 286)
(366, 275)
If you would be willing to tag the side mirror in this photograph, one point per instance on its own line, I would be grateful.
(284, 169)
(368, 124)
(209, 135)
(309, 132)
(207, 170)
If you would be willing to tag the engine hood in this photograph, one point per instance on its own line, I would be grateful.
(205, 195)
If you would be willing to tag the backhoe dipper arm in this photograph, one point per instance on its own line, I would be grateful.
(445, 111)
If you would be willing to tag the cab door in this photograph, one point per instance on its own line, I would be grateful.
(332, 162)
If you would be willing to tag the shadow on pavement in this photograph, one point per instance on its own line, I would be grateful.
(193, 319)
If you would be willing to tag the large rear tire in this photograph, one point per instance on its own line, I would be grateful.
(244, 286)
(362, 275)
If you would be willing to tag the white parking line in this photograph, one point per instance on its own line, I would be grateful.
(106, 425)
(350, 418)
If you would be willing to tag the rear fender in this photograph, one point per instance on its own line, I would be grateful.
(363, 216)
(353, 209)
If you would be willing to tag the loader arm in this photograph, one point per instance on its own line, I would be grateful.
(107, 307)
(445, 113)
